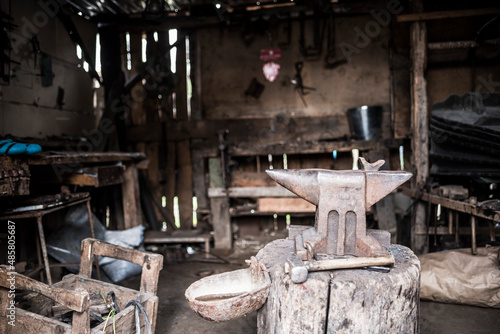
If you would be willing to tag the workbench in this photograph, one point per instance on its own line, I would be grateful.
(38, 211)
(453, 228)
(270, 198)
(95, 169)
(179, 237)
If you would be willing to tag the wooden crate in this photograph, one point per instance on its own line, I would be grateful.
(73, 292)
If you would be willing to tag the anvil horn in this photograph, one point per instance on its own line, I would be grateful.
(302, 182)
(381, 184)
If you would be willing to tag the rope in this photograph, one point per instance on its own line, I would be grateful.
(139, 307)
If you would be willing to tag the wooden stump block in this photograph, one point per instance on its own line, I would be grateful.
(341, 301)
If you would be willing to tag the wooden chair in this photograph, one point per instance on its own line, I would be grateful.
(73, 292)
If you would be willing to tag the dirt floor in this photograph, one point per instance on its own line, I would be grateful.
(176, 317)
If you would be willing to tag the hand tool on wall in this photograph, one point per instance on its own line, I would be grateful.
(331, 58)
(35, 45)
(297, 82)
(314, 51)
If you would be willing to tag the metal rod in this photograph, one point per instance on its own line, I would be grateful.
(44, 249)
(39, 257)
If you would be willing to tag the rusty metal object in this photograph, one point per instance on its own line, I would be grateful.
(230, 295)
(341, 199)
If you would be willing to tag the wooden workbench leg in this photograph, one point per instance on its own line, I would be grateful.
(450, 222)
(44, 249)
(4, 303)
(491, 226)
(130, 194)
(207, 247)
(473, 234)
(39, 258)
(221, 222)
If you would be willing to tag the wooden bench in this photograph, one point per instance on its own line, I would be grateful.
(178, 237)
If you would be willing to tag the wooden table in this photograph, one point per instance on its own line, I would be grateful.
(38, 211)
(95, 169)
(473, 210)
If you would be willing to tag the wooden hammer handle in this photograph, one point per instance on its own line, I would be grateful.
(352, 262)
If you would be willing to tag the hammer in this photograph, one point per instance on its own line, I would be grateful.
(298, 269)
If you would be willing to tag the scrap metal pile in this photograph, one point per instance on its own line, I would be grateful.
(465, 136)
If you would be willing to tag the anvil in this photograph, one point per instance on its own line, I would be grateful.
(341, 199)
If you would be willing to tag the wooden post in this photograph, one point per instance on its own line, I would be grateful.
(221, 222)
(199, 185)
(113, 82)
(219, 208)
(130, 195)
(199, 168)
(183, 147)
(420, 129)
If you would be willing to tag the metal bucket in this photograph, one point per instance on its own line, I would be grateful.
(365, 122)
(229, 295)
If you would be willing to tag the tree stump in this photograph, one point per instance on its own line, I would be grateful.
(341, 301)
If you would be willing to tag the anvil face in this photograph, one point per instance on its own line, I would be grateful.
(341, 199)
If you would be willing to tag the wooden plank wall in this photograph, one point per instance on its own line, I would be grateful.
(223, 65)
(169, 171)
(25, 98)
(231, 60)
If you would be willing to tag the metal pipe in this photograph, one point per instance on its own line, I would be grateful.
(44, 249)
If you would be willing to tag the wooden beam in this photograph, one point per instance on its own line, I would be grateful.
(461, 44)
(253, 130)
(420, 128)
(455, 205)
(415, 17)
(441, 230)
(250, 192)
(284, 205)
(130, 197)
(100, 176)
(251, 179)
(302, 147)
(73, 159)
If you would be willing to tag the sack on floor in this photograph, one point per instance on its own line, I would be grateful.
(459, 277)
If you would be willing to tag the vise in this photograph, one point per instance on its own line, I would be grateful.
(341, 199)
